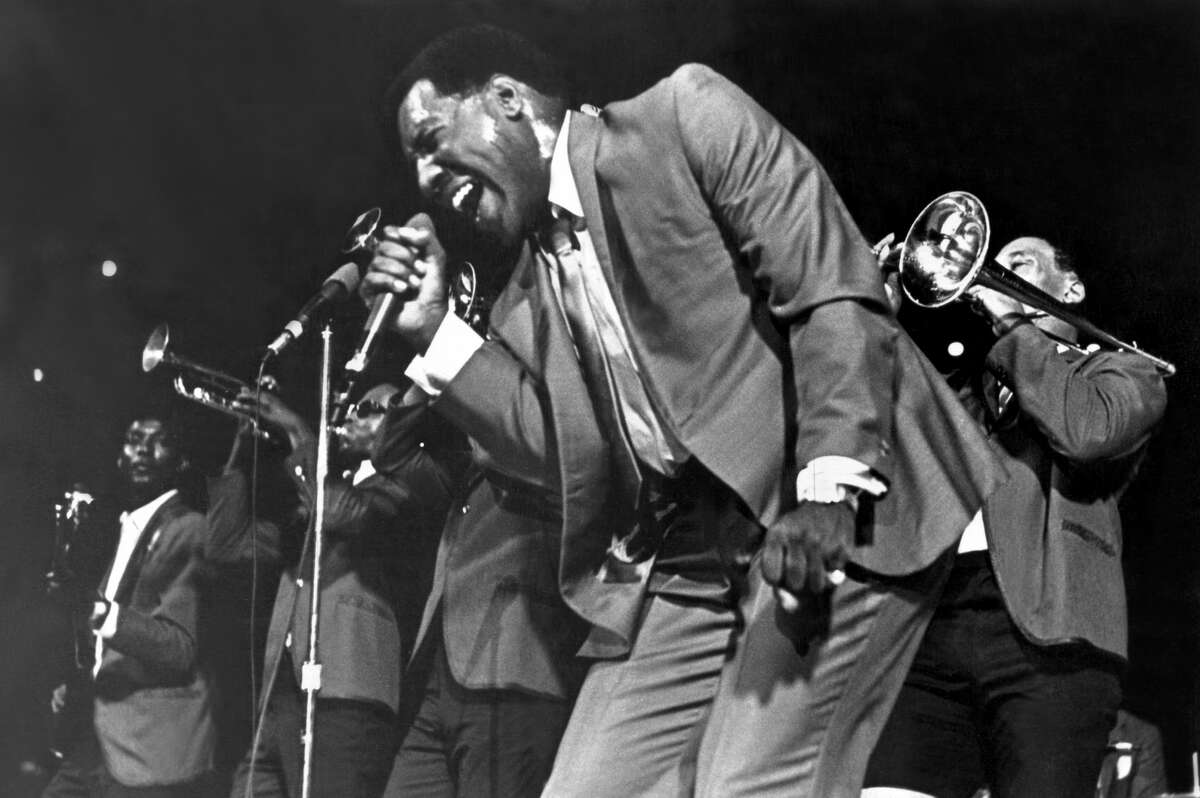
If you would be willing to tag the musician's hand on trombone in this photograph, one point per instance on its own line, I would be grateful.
(999, 309)
(410, 262)
(886, 258)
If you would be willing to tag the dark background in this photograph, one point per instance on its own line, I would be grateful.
(217, 151)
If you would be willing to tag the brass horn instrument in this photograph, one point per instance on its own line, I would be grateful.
(211, 388)
(945, 253)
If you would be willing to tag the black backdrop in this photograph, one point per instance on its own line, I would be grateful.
(216, 151)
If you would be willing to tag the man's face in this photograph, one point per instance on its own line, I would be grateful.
(360, 434)
(1032, 259)
(478, 156)
(149, 461)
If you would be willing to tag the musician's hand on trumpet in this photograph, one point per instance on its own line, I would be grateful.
(411, 263)
(274, 414)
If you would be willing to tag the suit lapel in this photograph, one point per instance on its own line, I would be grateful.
(582, 143)
(146, 538)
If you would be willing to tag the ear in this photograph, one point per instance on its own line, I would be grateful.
(508, 94)
(1074, 293)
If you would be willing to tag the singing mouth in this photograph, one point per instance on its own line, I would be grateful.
(465, 199)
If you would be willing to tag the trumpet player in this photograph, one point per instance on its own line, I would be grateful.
(381, 519)
(1016, 682)
(153, 732)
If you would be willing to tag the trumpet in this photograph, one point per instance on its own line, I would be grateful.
(211, 388)
(945, 253)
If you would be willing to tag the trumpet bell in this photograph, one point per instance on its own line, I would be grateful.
(945, 249)
(155, 348)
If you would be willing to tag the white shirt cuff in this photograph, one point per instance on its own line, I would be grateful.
(827, 479)
(109, 627)
(451, 348)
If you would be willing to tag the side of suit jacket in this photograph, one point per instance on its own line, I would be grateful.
(1054, 532)
(377, 558)
(758, 320)
(495, 599)
(154, 699)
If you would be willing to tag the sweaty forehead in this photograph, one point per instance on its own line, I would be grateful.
(1029, 247)
(142, 429)
(381, 393)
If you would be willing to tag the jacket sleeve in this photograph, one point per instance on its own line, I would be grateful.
(418, 465)
(503, 408)
(165, 638)
(805, 254)
(235, 537)
(1098, 407)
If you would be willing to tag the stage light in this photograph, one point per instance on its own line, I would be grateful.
(38, 375)
(109, 268)
(956, 349)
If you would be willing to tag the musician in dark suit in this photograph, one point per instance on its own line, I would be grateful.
(153, 703)
(381, 519)
(1016, 683)
(696, 355)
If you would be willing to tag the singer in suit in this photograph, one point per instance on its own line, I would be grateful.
(740, 391)
(154, 733)
(380, 521)
(1016, 682)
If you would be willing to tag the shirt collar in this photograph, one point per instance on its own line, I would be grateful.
(141, 516)
(563, 191)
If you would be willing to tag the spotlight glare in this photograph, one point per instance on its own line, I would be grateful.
(38, 375)
(956, 349)
(108, 268)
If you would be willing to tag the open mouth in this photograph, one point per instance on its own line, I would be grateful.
(465, 199)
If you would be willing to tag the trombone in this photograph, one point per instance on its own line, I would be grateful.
(945, 253)
(211, 388)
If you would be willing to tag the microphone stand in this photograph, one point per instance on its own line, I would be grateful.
(310, 671)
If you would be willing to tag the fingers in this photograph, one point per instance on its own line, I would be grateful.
(883, 243)
(772, 561)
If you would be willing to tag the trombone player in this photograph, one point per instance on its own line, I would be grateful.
(1016, 682)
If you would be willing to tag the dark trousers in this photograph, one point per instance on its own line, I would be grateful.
(982, 705)
(476, 743)
(83, 775)
(354, 743)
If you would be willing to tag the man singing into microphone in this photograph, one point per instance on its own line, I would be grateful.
(695, 354)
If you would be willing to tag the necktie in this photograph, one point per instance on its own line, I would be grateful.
(597, 373)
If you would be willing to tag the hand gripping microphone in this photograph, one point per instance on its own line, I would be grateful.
(382, 309)
(337, 286)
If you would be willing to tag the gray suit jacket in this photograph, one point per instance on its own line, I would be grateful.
(153, 705)
(1072, 439)
(759, 323)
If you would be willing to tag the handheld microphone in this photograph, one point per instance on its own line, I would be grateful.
(338, 285)
(381, 312)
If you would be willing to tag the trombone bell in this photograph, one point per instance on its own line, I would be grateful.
(945, 253)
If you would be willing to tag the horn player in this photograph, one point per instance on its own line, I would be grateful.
(1016, 683)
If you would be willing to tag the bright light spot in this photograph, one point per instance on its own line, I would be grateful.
(38, 375)
(956, 349)
(108, 268)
